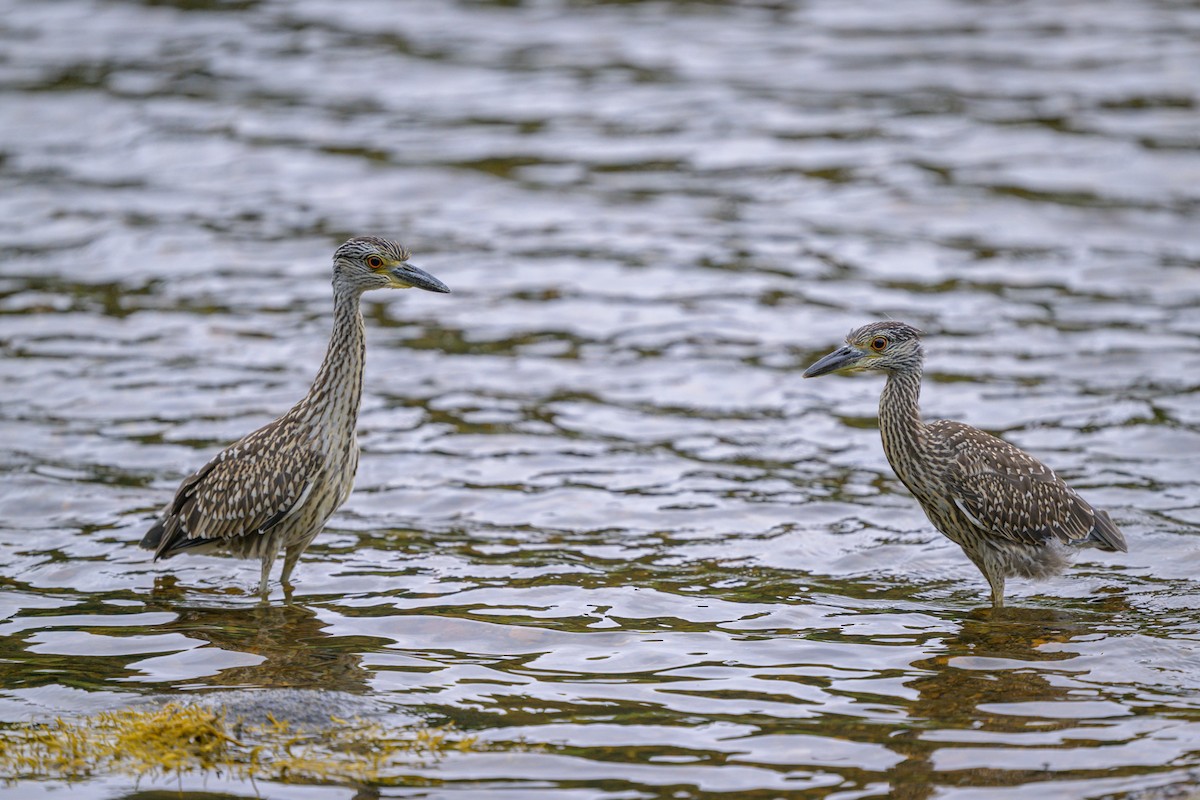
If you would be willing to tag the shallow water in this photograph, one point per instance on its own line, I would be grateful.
(598, 511)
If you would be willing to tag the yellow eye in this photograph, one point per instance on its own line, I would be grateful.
(878, 344)
(374, 262)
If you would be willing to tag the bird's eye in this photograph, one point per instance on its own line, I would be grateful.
(878, 344)
(374, 262)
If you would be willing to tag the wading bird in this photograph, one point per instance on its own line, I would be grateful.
(1010, 513)
(275, 488)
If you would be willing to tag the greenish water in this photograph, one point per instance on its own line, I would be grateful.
(598, 511)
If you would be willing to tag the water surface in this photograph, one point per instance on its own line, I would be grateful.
(599, 514)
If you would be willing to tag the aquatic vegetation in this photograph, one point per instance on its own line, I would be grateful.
(179, 739)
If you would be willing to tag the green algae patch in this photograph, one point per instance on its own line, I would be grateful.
(187, 739)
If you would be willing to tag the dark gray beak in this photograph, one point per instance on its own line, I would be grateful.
(841, 358)
(416, 277)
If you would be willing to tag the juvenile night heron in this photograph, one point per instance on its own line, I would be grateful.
(275, 488)
(1009, 513)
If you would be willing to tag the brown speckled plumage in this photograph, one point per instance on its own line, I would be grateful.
(275, 488)
(1010, 513)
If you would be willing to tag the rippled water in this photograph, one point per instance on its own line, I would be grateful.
(598, 510)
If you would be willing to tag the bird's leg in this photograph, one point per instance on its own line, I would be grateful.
(290, 556)
(268, 558)
(993, 572)
(997, 584)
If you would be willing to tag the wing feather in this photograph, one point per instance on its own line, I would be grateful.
(246, 490)
(1008, 492)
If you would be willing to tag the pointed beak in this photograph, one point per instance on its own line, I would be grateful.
(409, 276)
(842, 358)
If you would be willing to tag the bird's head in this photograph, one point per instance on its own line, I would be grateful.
(368, 262)
(884, 346)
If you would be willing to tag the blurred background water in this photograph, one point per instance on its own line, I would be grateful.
(598, 511)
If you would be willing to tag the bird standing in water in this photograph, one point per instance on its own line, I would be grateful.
(1010, 513)
(275, 488)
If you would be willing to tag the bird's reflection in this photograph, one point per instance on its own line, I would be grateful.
(994, 658)
(297, 650)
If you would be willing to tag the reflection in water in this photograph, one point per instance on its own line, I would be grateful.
(294, 649)
(989, 661)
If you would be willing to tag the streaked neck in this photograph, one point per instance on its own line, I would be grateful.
(900, 423)
(337, 389)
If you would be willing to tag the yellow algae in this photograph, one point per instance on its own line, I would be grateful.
(180, 739)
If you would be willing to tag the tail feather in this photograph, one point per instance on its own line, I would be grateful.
(166, 539)
(1105, 535)
(153, 537)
